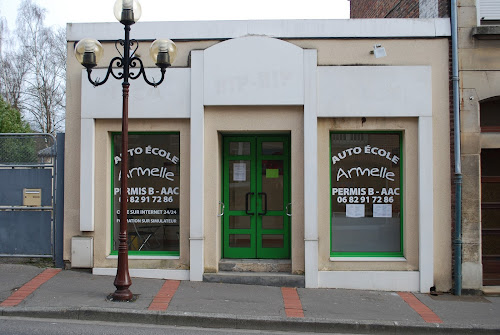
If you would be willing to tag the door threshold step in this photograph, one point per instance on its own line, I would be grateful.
(491, 290)
(255, 265)
(256, 278)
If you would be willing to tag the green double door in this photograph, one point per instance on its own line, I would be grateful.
(256, 195)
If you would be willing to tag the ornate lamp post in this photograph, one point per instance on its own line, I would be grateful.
(88, 52)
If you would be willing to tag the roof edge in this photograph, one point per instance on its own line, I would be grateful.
(288, 29)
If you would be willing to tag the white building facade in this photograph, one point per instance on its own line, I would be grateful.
(280, 140)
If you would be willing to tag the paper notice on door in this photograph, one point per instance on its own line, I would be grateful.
(355, 210)
(239, 171)
(382, 210)
(272, 173)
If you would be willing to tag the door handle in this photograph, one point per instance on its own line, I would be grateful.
(265, 202)
(222, 207)
(287, 210)
(246, 203)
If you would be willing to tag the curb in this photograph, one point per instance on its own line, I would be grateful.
(188, 319)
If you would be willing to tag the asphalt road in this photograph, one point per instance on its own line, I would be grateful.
(26, 326)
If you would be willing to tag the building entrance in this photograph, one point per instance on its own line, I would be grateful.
(256, 194)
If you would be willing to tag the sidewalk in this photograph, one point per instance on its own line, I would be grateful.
(29, 291)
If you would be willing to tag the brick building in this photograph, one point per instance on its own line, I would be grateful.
(478, 25)
(399, 9)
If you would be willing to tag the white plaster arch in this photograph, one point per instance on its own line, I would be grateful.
(253, 70)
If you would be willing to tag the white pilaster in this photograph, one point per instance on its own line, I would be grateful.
(87, 167)
(310, 169)
(426, 204)
(196, 233)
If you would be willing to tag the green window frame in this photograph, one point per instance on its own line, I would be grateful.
(155, 187)
(366, 194)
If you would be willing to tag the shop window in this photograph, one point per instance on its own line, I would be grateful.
(366, 194)
(490, 115)
(153, 193)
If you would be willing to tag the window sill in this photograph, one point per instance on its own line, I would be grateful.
(486, 32)
(367, 259)
(145, 257)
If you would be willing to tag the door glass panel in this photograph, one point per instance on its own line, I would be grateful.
(272, 148)
(490, 192)
(491, 244)
(239, 148)
(272, 241)
(239, 222)
(239, 240)
(239, 184)
(490, 218)
(272, 183)
(490, 160)
(272, 222)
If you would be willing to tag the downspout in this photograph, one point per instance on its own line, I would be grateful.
(457, 241)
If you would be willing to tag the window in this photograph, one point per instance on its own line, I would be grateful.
(366, 194)
(489, 10)
(153, 193)
(490, 115)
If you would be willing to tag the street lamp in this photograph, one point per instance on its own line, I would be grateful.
(88, 52)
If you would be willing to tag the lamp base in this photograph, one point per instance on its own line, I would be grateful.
(122, 295)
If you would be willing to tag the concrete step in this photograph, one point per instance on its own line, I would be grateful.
(255, 265)
(256, 278)
(492, 291)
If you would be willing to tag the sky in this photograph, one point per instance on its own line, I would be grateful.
(60, 12)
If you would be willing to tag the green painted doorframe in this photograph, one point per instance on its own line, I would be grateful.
(256, 194)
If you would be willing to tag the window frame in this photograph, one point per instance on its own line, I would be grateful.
(114, 252)
(364, 254)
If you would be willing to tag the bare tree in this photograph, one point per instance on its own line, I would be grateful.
(2, 25)
(13, 70)
(32, 75)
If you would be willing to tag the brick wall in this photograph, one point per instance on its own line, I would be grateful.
(399, 8)
(444, 8)
(384, 9)
(428, 8)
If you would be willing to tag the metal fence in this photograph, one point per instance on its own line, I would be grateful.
(27, 196)
(27, 149)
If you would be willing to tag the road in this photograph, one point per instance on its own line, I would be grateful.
(26, 326)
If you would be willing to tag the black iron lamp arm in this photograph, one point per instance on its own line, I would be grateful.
(133, 76)
(117, 62)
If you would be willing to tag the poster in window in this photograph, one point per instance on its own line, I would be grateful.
(153, 191)
(366, 192)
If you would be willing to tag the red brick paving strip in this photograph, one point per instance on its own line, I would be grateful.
(425, 312)
(291, 300)
(162, 299)
(28, 288)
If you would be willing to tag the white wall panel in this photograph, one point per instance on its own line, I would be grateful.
(374, 91)
(171, 99)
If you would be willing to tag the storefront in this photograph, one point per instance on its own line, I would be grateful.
(277, 140)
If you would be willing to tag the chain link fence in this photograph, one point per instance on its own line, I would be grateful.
(27, 149)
